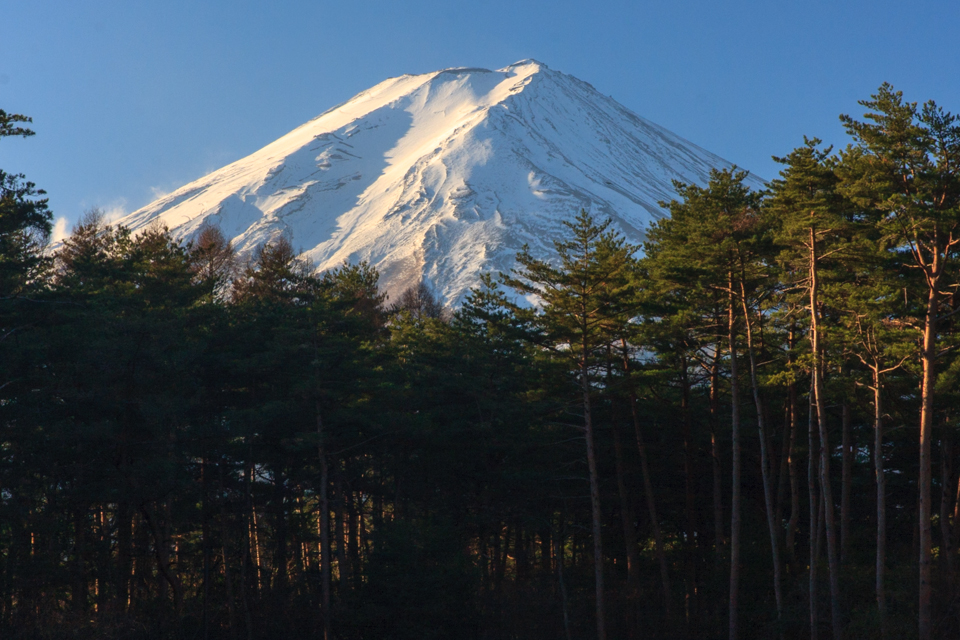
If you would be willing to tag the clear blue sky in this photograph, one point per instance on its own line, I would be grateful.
(132, 98)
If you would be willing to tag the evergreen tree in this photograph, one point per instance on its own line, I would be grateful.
(713, 240)
(579, 298)
(24, 220)
(814, 230)
(905, 165)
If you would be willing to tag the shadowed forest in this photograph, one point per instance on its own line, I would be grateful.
(747, 427)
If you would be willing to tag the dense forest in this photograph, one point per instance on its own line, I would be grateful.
(748, 427)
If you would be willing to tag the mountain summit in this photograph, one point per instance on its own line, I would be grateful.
(443, 176)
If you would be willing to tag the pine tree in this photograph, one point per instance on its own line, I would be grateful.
(24, 220)
(905, 165)
(813, 232)
(579, 297)
(712, 240)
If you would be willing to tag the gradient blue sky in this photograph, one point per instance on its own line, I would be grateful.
(132, 99)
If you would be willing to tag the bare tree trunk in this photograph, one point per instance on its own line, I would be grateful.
(881, 502)
(124, 554)
(558, 541)
(794, 480)
(649, 495)
(325, 556)
(520, 558)
(735, 492)
(594, 496)
(926, 432)
(627, 517)
(956, 527)
(80, 589)
(719, 538)
(820, 398)
(255, 537)
(946, 485)
(929, 355)
(205, 541)
(228, 579)
(846, 480)
(772, 524)
(502, 548)
(282, 549)
(245, 563)
(813, 499)
(783, 476)
(689, 488)
(162, 555)
(355, 519)
(339, 532)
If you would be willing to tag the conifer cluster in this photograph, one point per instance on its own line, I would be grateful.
(745, 428)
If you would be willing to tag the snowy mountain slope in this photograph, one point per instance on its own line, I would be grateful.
(443, 175)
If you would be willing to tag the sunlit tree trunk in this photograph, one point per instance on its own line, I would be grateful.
(735, 491)
(881, 564)
(765, 465)
(821, 402)
(814, 503)
(929, 355)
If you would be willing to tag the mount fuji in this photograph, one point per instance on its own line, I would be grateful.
(443, 176)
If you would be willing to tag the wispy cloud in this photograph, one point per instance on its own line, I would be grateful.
(60, 230)
(159, 192)
(115, 210)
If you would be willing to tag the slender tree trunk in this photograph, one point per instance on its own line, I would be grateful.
(956, 529)
(783, 476)
(521, 554)
(124, 554)
(765, 467)
(926, 433)
(546, 551)
(282, 549)
(340, 532)
(649, 495)
(881, 502)
(627, 517)
(946, 486)
(247, 539)
(228, 578)
(255, 537)
(501, 546)
(794, 480)
(355, 519)
(559, 541)
(205, 541)
(846, 480)
(719, 538)
(80, 588)
(689, 489)
(820, 398)
(594, 495)
(325, 556)
(813, 499)
(101, 583)
(735, 492)
(161, 550)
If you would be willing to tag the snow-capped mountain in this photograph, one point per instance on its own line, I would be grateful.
(443, 175)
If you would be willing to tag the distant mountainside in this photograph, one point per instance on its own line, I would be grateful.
(443, 176)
